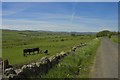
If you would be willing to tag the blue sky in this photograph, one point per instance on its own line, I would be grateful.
(60, 0)
(60, 16)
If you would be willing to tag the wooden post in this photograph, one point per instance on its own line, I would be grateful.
(3, 68)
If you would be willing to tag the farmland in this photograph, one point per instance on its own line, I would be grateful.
(76, 65)
(13, 43)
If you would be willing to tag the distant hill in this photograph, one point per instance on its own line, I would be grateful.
(54, 32)
(83, 33)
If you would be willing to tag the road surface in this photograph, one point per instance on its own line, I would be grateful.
(106, 60)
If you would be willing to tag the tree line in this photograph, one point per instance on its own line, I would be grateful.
(106, 33)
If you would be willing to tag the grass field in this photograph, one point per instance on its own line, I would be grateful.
(116, 39)
(76, 65)
(13, 43)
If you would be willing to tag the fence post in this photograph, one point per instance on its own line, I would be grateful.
(3, 68)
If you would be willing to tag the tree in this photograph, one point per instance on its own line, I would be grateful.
(73, 34)
(110, 35)
(103, 33)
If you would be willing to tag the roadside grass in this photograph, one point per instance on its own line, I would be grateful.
(75, 65)
(115, 39)
(13, 43)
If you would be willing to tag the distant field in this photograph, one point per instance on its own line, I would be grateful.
(13, 43)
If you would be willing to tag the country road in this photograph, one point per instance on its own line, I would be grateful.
(106, 60)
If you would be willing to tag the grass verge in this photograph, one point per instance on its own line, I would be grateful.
(116, 39)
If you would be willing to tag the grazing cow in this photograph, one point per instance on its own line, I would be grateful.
(25, 51)
(36, 49)
(24, 54)
(46, 51)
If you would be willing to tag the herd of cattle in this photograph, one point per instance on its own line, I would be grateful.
(28, 51)
(41, 67)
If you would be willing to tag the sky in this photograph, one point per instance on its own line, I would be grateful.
(60, 16)
(60, 0)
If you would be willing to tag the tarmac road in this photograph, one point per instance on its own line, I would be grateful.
(106, 61)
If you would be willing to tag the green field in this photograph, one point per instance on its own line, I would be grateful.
(13, 43)
(77, 65)
(116, 39)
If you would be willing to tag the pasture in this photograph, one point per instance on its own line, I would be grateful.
(77, 65)
(13, 43)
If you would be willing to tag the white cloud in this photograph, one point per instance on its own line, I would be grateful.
(61, 23)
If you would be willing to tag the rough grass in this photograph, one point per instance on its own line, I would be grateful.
(76, 65)
(13, 43)
(115, 39)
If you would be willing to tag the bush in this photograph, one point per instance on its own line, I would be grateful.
(62, 39)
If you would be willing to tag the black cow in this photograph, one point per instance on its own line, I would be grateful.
(24, 54)
(25, 51)
(46, 51)
(36, 49)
